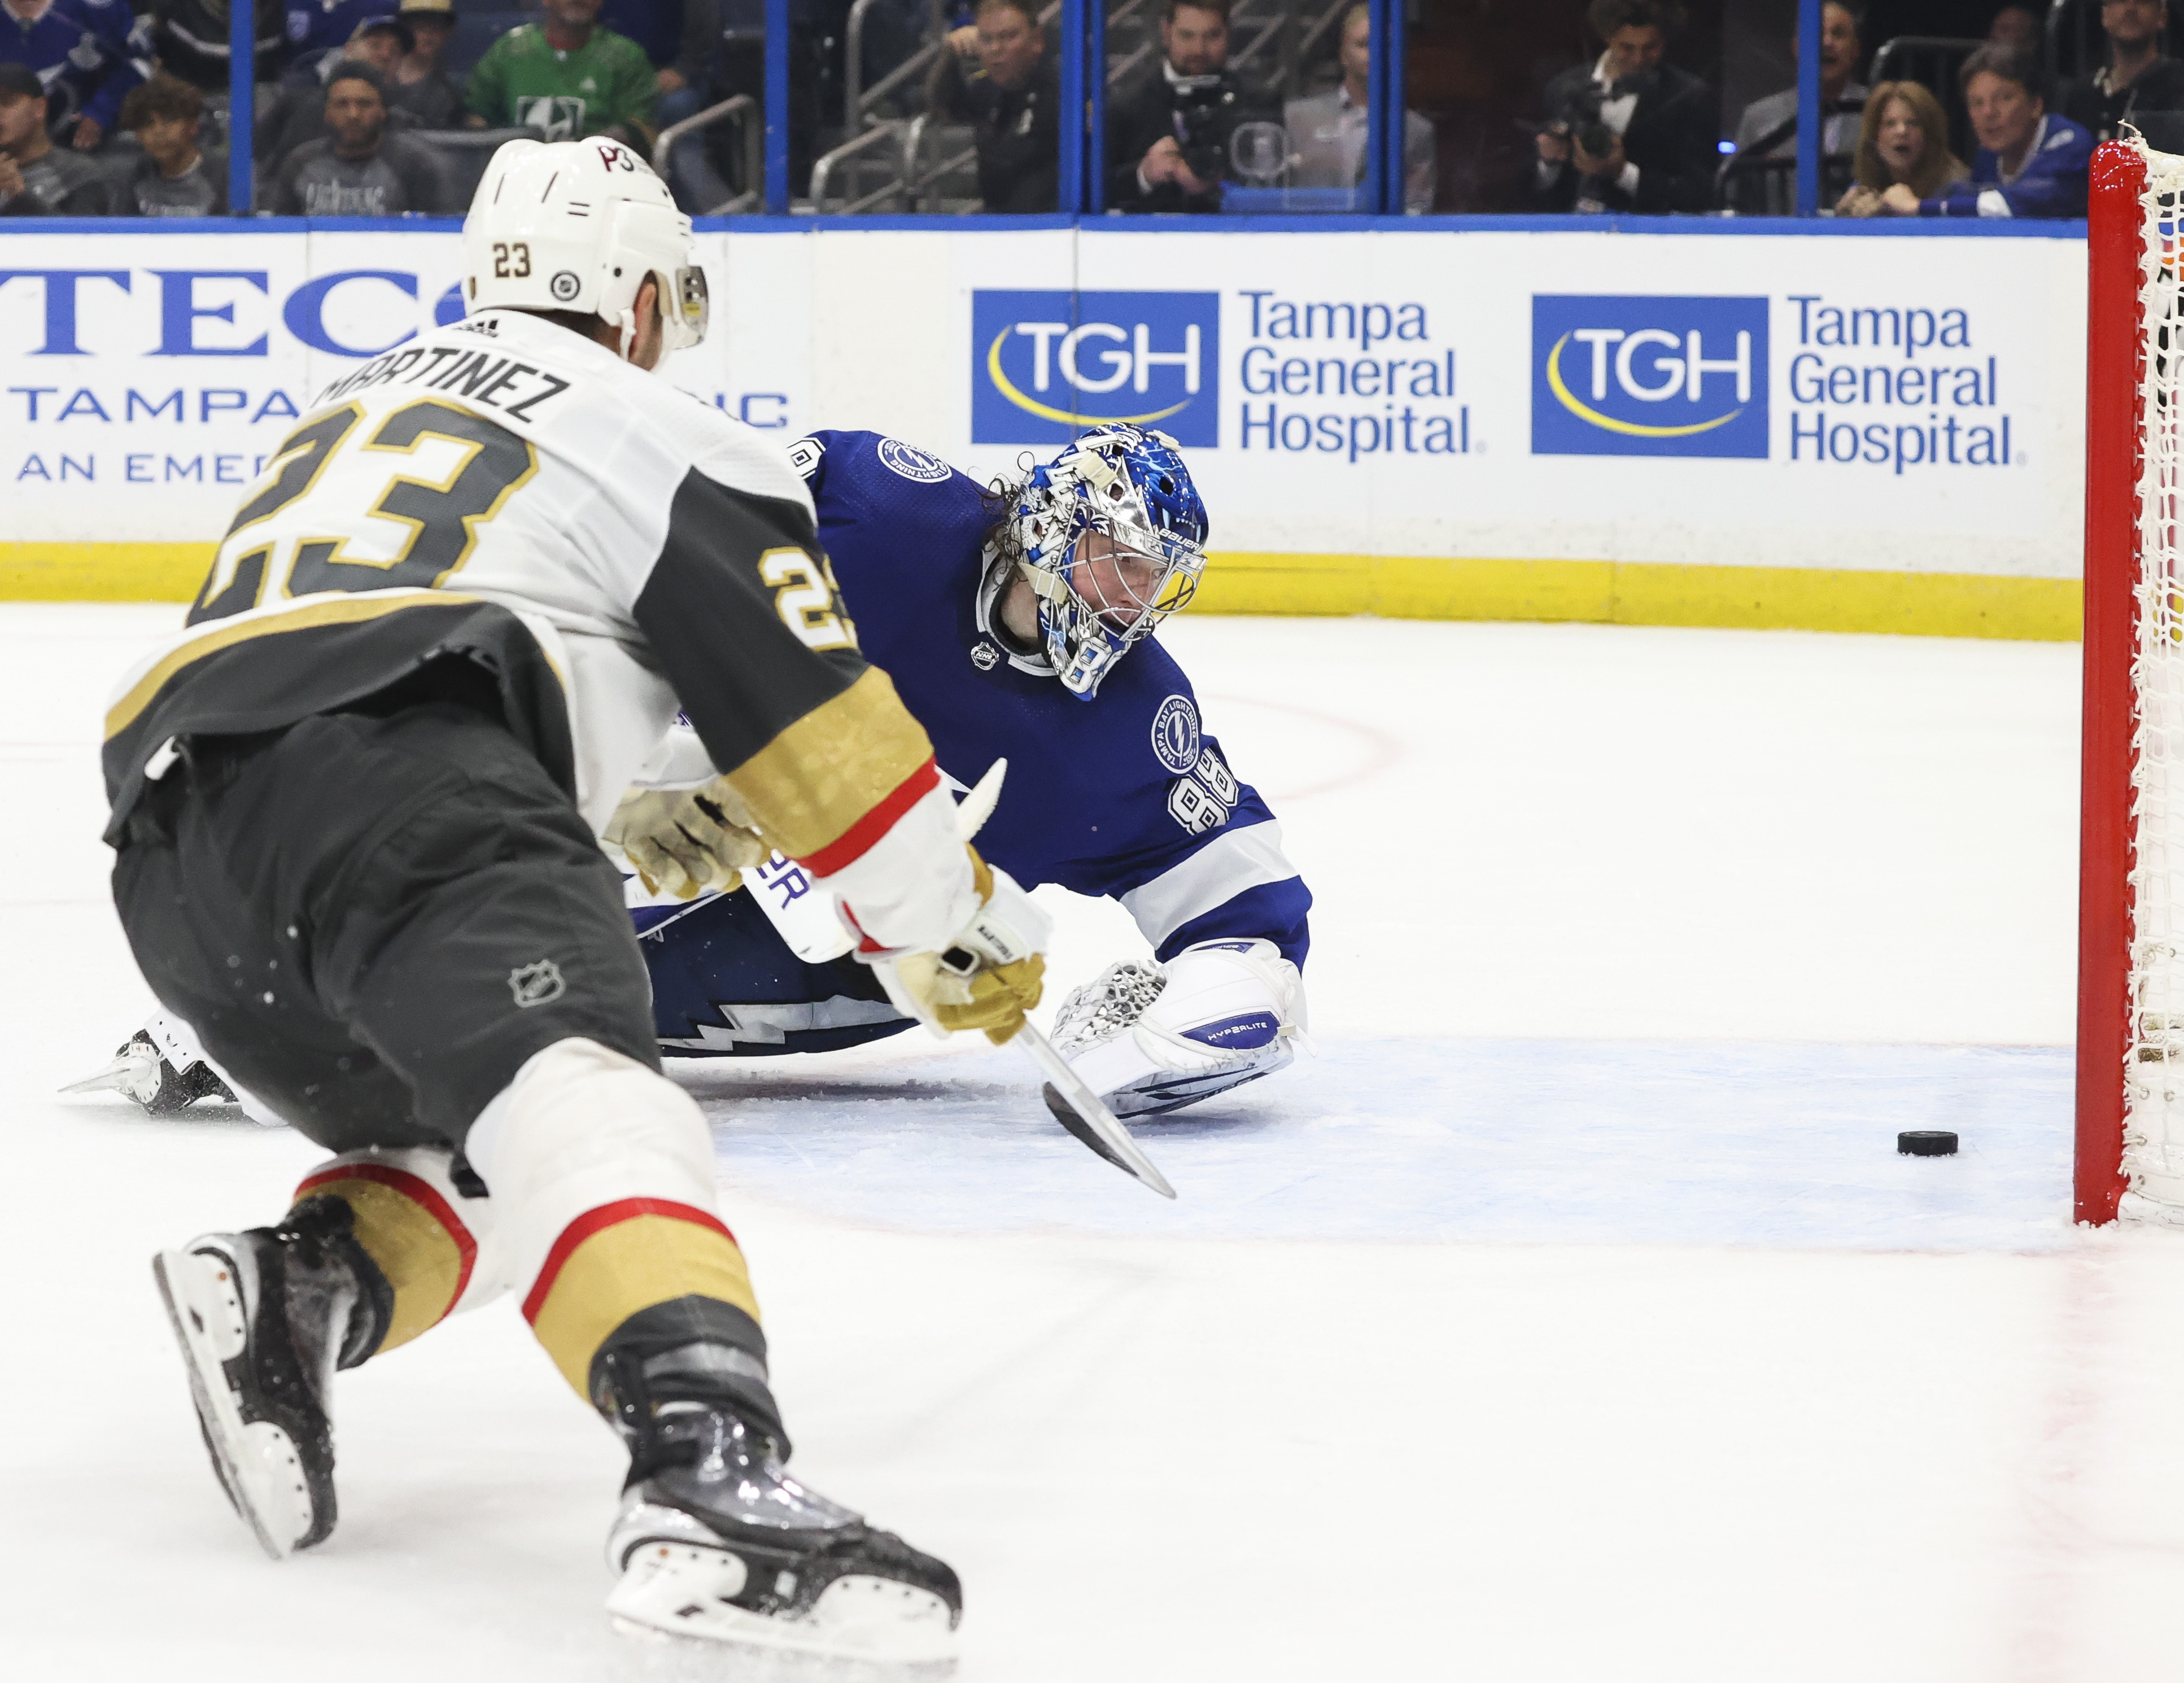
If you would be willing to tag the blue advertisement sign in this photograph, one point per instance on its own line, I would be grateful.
(1649, 376)
(1045, 365)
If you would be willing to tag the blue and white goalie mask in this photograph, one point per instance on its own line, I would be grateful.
(1114, 541)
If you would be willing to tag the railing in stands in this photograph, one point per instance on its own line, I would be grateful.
(743, 111)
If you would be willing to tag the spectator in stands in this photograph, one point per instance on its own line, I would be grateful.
(2136, 77)
(295, 115)
(359, 168)
(1903, 141)
(88, 53)
(328, 25)
(1012, 100)
(1629, 132)
(189, 37)
(678, 37)
(2018, 28)
(417, 83)
(2031, 162)
(1327, 131)
(681, 39)
(1169, 132)
(1840, 48)
(565, 78)
(174, 177)
(36, 180)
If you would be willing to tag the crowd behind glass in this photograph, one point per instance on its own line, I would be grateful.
(384, 107)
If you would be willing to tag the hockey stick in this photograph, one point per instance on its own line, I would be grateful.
(807, 923)
(1078, 1108)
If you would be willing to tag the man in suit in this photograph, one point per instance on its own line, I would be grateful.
(1773, 193)
(1629, 132)
(1328, 132)
(1168, 132)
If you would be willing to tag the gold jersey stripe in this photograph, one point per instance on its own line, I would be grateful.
(627, 1267)
(824, 772)
(339, 610)
(412, 1247)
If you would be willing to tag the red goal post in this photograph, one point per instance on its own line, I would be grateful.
(2131, 914)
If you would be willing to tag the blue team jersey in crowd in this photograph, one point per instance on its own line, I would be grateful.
(1123, 795)
(2052, 183)
(88, 53)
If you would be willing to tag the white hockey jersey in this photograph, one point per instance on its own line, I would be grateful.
(507, 492)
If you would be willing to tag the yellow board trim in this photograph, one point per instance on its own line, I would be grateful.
(1394, 587)
(1632, 592)
(103, 573)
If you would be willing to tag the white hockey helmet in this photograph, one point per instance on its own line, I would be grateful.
(578, 224)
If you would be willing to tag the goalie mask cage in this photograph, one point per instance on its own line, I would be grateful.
(2131, 930)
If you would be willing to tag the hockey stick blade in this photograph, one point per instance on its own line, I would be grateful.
(1078, 1108)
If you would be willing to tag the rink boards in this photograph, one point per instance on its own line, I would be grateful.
(1468, 421)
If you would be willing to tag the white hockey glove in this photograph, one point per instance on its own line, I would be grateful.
(682, 842)
(988, 975)
(1151, 1038)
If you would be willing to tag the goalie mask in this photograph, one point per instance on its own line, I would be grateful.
(579, 224)
(1113, 535)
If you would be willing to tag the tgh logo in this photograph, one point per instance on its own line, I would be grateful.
(1649, 376)
(1047, 365)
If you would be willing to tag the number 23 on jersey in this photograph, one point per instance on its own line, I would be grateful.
(420, 526)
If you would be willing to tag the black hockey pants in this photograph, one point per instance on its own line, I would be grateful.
(373, 918)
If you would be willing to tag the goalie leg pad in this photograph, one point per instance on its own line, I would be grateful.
(1152, 1038)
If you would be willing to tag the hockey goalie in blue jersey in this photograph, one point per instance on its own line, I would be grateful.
(1016, 624)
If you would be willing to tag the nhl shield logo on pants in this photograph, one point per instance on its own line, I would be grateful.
(538, 984)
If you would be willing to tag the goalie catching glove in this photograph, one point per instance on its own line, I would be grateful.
(1152, 1038)
(988, 976)
(682, 842)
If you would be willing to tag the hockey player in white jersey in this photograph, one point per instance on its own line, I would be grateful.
(356, 808)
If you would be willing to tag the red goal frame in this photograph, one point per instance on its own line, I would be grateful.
(2115, 367)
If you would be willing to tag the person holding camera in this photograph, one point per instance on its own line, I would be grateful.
(1168, 134)
(1628, 132)
(1012, 100)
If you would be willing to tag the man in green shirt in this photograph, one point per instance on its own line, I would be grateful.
(566, 78)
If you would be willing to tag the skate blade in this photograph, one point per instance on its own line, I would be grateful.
(256, 1463)
(753, 1661)
(124, 1073)
(861, 1627)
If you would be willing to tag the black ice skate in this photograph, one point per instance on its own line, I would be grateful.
(715, 1542)
(140, 1071)
(264, 1319)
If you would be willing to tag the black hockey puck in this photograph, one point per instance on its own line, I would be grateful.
(1926, 1142)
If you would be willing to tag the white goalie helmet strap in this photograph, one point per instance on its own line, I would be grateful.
(579, 225)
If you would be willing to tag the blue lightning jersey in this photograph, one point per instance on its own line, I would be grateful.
(87, 53)
(1124, 795)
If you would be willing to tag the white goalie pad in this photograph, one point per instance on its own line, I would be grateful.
(1151, 1039)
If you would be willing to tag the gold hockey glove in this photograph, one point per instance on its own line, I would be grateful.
(990, 974)
(683, 841)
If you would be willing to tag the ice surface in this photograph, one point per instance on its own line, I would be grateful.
(1570, 1316)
